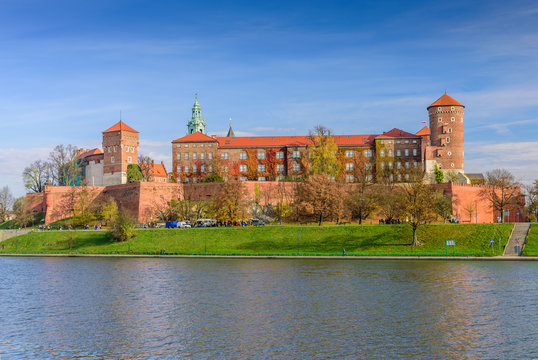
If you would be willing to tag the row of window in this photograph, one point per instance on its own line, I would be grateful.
(452, 119)
(399, 152)
(187, 168)
(398, 141)
(194, 145)
(115, 148)
(195, 156)
(398, 164)
(113, 159)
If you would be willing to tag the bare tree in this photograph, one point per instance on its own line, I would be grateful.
(65, 169)
(6, 203)
(146, 166)
(361, 200)
(23, 212)
(502, 190)
(319, 197)
(35, 176)
(532, 200)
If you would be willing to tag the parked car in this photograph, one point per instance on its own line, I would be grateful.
(256, 222)
(171, 224)
(183, 224)
(204, 222)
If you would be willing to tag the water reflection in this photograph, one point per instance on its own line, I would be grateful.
(188, 308)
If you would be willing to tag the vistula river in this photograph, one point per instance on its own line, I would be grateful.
(111, 308)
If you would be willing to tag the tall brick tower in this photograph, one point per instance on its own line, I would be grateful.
(120, 146)
(446, 134)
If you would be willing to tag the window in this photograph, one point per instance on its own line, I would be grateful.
(242, 168)
(280, 154)
(194, 168)
(225, 168)
(414, 141)
(390, 152)
(210, 155)
(382, 165)
(194, 180)
(414, 152)
(243, 178)
(296, 154)
(194, 156)
(368, 153)
(414, 164)
(398, 152)
(406, 177)
(453, 119)
(391, 177)
(406, 142)
(449, 130)
(452, 164)
(186, 168)
(452, 108)
(210, 145)
(186, 145)
(296, 167)
(449, 153)
(398, 142)
(178, 156)
(349, 153)
(407, 164)
(126, 149)
(129, 159)
(382, 153)
(261, 155)
(178, 145)
(132, 149)
(439, 109)
(261, 167)
(406, 152)
(186, 156)
(369, 178)
(447, 140)
(243, 155)
(440, 120)
(193, 145)
(390, 164)
(382, 141)
(178, 169)
(280, 178)
(261, 178)
(202, 168)
(399, 177)
(115, 147)
(201, 145)
(112, 159)
(109, 149)
(210, 168)
(349, 178)
(202, 156)
(367, 166)
(224, 155)
(390, 141)
(349, 166)
(280, 167)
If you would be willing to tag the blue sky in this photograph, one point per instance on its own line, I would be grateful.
(67, 68)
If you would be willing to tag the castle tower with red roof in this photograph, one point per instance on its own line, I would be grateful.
(120, 148)
(446, 135)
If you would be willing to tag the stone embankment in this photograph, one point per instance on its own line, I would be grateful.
(7, 234)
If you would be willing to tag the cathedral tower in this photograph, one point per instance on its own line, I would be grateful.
(446, 133)
(196, 124)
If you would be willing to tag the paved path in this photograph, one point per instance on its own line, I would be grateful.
(517, 239)
(7, 234)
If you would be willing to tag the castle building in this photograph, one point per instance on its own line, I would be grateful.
(120, 148)
(276, 158)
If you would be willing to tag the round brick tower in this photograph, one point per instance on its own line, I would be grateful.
(446, 133)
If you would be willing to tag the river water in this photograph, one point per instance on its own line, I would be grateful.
(267, 309)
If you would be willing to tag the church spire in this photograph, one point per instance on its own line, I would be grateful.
(196, 124)
(230, 131)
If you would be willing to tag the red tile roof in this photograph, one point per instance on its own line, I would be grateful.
(395, 133)
(446, 100)
(158, 170)
(85, 153)
(196, 136)
(120, 126)
(424, 131)
(281, 141)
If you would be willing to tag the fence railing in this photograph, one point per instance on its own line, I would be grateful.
(424, 253)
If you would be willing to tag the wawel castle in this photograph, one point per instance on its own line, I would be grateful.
(278, 158)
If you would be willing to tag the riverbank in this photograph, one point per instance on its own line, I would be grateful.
(356, 240)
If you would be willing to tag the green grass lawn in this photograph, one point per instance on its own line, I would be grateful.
(531, 246)
(371, 239)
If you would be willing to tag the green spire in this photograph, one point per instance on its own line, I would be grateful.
(196, 124)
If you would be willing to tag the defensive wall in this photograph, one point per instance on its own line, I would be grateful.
(144, 199)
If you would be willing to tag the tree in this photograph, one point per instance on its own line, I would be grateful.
(319, 197)
(6, 203)
(418, 199)
(35, 176)
(84, 210)
(323, 152)
(388, 193)
(502, 190)
(108, 211)
(134, 173)
(145, 164)
(23, 213)
(64, 167)
(439, 176)
(361, 200)
(124, 227)
(229, 203)
(443, 205)
(532, 200)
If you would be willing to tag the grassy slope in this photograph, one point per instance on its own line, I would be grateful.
(531, 246)
(367, 238)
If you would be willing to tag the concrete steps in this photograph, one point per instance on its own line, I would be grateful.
(517, 239)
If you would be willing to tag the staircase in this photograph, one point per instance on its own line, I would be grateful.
(518, 238)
